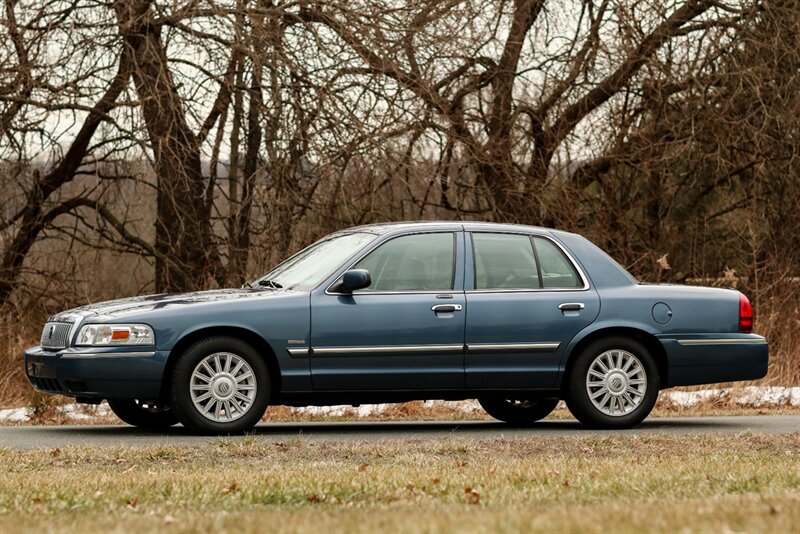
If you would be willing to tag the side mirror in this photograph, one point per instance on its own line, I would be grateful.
(354, 279)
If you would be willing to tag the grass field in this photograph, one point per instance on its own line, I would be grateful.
(586, 484)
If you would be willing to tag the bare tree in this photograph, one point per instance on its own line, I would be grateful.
(30, 94)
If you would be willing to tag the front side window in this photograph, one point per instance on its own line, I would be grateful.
(418, 262)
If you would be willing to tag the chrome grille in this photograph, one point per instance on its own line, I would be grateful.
(55, 335)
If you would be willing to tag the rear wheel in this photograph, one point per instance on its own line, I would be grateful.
(220, 385)
(518, 411)
(143, 414)
(613, 383)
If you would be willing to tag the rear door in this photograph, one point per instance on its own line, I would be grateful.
(526, 300)
(406, 330)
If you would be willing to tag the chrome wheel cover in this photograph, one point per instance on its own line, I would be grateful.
(223, 387)
(616, 382)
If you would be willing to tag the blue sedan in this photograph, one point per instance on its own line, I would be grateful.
(518, 317)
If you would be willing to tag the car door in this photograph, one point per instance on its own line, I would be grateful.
(403, 332)
(526, 300)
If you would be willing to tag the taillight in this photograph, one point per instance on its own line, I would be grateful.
(745, 314)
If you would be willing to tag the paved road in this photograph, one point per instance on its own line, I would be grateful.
(31, 437)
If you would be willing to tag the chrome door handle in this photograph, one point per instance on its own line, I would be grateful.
(446, 308)
(571, 306)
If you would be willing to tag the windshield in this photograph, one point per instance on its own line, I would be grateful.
(306, 269)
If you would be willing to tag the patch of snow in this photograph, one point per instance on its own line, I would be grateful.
(15, 415)
(363, 410)
(83, 412)
(755, 396)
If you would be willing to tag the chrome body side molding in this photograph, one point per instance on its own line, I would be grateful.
(724, 341)
(95, 355)
(534, 347)
(335, 351)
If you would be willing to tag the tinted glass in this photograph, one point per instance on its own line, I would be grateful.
(418, 262)
(504, 261)
(313, 264)
(557, 270)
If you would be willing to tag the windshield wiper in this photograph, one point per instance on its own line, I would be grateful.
(272, 284)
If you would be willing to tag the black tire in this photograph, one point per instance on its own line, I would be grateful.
(577, 393)
(518, 412)
(143, 414)
(184, 406)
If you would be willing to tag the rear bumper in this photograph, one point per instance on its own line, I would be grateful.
(121, 372)
(709, 358)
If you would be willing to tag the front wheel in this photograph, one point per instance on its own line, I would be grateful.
(143, 414)
(220, 385)
(518, 411)
(613, 383)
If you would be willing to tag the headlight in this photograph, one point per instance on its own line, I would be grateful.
(116, 334)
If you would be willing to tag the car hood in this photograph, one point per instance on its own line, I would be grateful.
(133, 305)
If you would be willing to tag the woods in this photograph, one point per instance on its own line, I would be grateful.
(192, 144)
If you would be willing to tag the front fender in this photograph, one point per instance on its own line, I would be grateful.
(281, 324)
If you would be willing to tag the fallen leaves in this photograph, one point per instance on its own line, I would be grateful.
(233, 487)
(473, 496)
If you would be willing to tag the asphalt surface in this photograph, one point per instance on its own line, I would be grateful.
(32, 437)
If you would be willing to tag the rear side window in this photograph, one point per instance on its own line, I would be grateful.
(417, 262)
(556, 270)
(504, 261)
(516, 261)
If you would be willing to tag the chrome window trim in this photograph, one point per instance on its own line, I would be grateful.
(387, 348)
(541, 290)
(409, 292)
(551, 346)
(95, 355)
(723, 341)
(563, 250)
(452, 290)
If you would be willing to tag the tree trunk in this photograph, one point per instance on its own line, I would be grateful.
(183, 227)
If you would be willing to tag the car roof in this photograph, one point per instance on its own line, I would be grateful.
(387, 227)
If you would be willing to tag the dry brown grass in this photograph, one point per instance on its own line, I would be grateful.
(583, 484)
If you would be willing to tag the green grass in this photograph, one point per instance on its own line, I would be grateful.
(585, 484)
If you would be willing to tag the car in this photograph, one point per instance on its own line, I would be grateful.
(518, 317)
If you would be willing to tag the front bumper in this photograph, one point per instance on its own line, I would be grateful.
(710, 358)
(97, 373)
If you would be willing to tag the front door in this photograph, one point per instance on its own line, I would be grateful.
(526, 300)
(403, 332)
